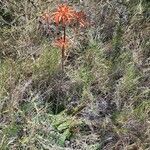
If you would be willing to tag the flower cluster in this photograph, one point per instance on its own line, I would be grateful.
(64, 14)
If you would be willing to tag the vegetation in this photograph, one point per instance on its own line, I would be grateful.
(101, 100)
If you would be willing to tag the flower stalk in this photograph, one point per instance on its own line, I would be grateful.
(64, 16)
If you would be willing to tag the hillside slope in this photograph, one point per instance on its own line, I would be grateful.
(102, 99)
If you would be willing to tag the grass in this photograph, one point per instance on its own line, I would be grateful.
(100, 102)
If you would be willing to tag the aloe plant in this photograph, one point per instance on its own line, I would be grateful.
(65, 15)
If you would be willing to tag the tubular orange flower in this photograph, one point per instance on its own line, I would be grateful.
(64, 14)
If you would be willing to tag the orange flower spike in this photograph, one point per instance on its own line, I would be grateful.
(63, 14)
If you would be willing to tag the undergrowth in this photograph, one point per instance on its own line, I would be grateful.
(102, 99)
